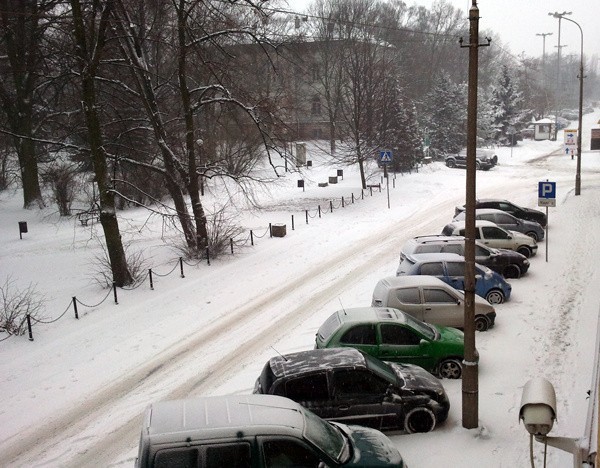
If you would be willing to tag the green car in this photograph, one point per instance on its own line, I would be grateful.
(391, 335)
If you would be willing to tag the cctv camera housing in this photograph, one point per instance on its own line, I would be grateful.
(538, 406)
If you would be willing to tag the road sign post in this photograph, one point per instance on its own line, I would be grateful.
(386, 157)
(547, 197)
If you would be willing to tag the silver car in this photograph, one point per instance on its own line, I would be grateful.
(507, 221)
(429, 299)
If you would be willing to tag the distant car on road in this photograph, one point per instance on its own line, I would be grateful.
(508, 263)
(485, 159)
(492, 235)
(349, 386)
(258, 431)
(507, 221)
(429, 299)
(392, 335)
(450, 268)
(504, 205)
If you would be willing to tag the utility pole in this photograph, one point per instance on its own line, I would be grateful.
(544, 80)
(559, 16)
(470, 382)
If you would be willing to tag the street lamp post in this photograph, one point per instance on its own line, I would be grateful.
(559, 16)
(580, 130)
(543, 35)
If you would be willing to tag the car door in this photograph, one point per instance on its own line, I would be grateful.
(311, 391)
(409, 300)
(508, 222)
(362, 336)
(442, 307)
(496, 237)
(455, 273)
(282, 452)
(358, 398)
(400, 343)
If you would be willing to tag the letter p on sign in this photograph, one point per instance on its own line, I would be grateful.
(547, 194)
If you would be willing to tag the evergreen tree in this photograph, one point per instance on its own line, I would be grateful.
(504, 103)
(399, 131)
(445, 113)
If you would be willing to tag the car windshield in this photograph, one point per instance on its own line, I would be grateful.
(421, 327)
(382, 369)
(326, 437)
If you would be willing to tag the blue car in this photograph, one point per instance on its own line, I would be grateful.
(450, 268)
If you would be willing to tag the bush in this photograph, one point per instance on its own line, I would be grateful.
(16, 304)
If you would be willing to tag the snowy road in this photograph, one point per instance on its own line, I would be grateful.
(195, 338)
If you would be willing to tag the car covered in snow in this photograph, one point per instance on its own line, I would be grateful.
(485, 159)
(347, 385)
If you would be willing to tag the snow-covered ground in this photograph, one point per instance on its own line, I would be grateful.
(74, 396)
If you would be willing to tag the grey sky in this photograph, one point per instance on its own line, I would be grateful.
(518, 21)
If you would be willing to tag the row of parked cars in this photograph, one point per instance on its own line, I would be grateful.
(372, 369)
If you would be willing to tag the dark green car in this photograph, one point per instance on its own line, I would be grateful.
(391, 335)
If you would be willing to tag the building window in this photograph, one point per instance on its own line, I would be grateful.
(316, 106)
(315, 72)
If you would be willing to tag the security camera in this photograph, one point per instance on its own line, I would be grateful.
(538, 406)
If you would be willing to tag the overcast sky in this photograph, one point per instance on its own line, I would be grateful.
(518, 21)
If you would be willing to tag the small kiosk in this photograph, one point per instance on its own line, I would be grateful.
(543, 129)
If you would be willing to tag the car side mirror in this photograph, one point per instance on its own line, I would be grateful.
(509, 237)
(458, 302)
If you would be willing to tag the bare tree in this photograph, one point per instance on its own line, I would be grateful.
(23, 26)
(90, 23)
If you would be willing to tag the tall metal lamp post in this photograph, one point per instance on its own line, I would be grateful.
(559, 16)
(580, 130)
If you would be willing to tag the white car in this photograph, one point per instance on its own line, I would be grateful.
(429, 299)
(492, 235)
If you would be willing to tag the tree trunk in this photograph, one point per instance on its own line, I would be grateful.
(108, 215)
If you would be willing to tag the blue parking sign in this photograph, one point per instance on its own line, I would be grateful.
(547, 193)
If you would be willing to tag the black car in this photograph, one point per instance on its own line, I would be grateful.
(485, 159)
(504, 205)
(349, 386)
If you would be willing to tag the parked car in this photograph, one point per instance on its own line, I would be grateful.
(347, 385)
(485, 159)
(492, 235)
(508, 263)
(450, 268)
(257, 431)
(504, 205)
(392, 335)
(507, 221)
(429, 299)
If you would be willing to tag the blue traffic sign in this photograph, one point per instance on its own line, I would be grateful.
(547, 193)
(385, 156)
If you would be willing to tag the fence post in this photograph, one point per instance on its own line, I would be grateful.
(150, 276)
(371, 191)
(270, 230)
(115, 292)
(75, 307)
(331, 206)
(352, 198)
(29, 328)
(181, 266)
(231, 244)
(362, 194)
(207, 256)
(292, 222)
(342, 202)
(306, 213)
(394, 182)
(251, 237)
(319, 206)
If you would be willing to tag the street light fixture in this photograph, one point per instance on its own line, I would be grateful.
(558, 15)
(578, 170)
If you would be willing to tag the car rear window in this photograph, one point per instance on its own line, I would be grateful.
(408, 295)
(266, 378)
(329, 327)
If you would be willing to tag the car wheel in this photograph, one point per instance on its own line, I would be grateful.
(533, 235)
(495, 296)
(481, 323)
(512, 271)
(419, 420)
(524, 250)
(450, 369)
(450, 163)
(477, 165)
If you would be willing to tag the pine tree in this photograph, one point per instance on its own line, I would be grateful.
(504, 103)
(399, 131)
(444, 115)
